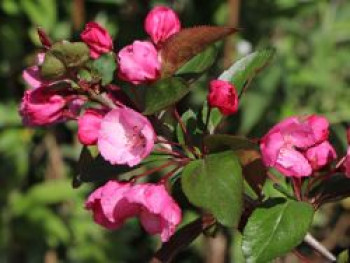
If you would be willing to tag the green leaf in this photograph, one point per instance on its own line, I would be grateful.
(344, 257)
(275, 228)
(246, 68)
(52, 68)
(164, 93)
(218, 142)
(215, 183)
(214, 118)
(93, 168)
(190, 120)
(200, 63)
(72, 54)
(105, 67)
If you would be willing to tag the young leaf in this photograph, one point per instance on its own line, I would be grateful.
(275, 228)
(184, 45)
(344, 257)
(105, 66)
(52, 67)
(214, 118)
(215, 183)
(164, 93)
(190, 120)
(246, 68)
(72, 54)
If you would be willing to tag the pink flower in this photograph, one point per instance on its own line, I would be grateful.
(139, 63)
(223, 96)
(286, 146)
(97, 38)
(115, 202)
(43, 106)
(161, 23)
(32, 75)
(320, 155)
(347, 164)
(89, 125)
(125, 137)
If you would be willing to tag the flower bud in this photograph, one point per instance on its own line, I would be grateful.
(320, 155)
(139, 63)
(161, 23)
(97, 38)
(89, 125)
(223, 95)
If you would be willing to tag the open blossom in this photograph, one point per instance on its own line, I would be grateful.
(139, 63)
(31, 75)
(223, 96)
(161, 23)
(43, 106)
(97, 38)
(125, 137)
(296, 146)
(89, 125)
(115, 202)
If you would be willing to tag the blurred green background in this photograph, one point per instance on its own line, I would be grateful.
(42, 218)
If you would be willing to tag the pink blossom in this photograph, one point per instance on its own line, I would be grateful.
(320, 127)
(97, 38)
(161, 23)
(32, 75)
(89, 125)
(320, 155)
(115, 202)
(125, 137)
(223, 96)
(139, 63)
(43, 106)
(347, 164)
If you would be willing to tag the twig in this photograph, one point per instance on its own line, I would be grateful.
(312, 242)
(102, 99)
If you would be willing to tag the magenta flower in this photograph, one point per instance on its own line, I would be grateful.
(223, 95)
(139, 63)
(125, 137)
(115, 202)
(43, 106)
(161, 23)
(320, 155)
(97, 38)
(32, 75)
(89, 125)
(286, 146)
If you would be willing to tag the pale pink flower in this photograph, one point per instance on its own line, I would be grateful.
(139, 63)
(97, 38)
(161, 23)
(89, 125)
(32, 75)
(223, 95)
(125, 137)
(115, 202)
(320, 155)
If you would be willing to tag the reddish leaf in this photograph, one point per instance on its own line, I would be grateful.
(184, 45)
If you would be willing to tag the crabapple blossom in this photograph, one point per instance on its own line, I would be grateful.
(223, 95)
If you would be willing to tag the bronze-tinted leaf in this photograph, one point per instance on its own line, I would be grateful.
(184, 45)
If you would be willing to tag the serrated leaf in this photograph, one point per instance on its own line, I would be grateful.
(219, 142)
(164, 93)
(199, 63)
(246, 68)
(105, 66)
(275, 228)
(187, 43)
(215, 184)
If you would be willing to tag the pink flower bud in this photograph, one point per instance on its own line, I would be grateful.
(97, 38)
(320, 127)
(161, 23)
(43, 106)
(320, 155)
(89, 125)
(115, 202)
(139, 63)
(223, 96)
(125, 137)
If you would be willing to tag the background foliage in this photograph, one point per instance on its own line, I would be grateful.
(42, 217)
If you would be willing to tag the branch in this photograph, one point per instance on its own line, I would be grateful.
(316, 245)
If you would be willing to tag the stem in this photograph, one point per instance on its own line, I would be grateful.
(168, 142)
(170, 174)
(297, 188)
(102, 99)
(153, 170)
(171, 152)
(316, 245)
(207, 120)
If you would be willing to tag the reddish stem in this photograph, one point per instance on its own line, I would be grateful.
(297, 188)
(153, 170)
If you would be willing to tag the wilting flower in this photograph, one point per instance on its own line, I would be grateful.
(125, 137)
(43, 106)
(115, 202)
(290, 146)
(139, 63)
(89, 125)
(32, 75)
(161, 23)
(97, 38)
(223, 96)
(320, 155)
